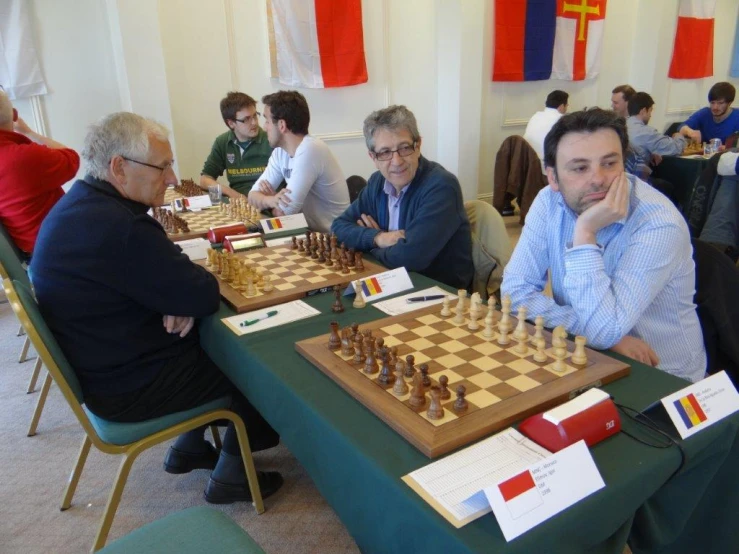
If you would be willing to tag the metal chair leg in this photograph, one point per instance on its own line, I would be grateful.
(216, 436)
(34, 376)
(21, 331)
(24, 351)
(74, 477)
(251, 472)
(39, 405)
(113, 500)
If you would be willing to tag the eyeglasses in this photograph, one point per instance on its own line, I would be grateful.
(163, 168)
(403, 152)
(249, 118)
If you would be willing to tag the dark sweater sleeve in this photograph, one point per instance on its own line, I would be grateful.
(345, 226)
(159, 276)
(428, 228)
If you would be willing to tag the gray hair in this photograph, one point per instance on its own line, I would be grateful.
(392, 118)
(6, 110)
(119, 134)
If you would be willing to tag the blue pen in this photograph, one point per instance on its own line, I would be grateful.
(257, 320)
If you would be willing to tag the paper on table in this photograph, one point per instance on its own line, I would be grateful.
(286, 313)
(453, 485)
(278, 242)
(196, 249)
(397, 306)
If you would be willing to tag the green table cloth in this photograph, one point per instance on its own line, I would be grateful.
(682, 173)
(356, 461)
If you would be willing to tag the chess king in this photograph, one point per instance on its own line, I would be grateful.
(617, 250)
(122, 303)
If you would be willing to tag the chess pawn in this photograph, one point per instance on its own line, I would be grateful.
(426, 380)
(355, 331)
(503, 331)
(540, 356)
(359, 301)
(209, 258)
(488, 333)
(344, 268)
(358, 348)
(459, 308)
(445, 311)
(460, 404)
(435, 411)
(578, 356)
(521, 347)
(474, 314)
(334, 340)
(294, 243)
(444, 384)
(539, 325)
(560, 353)
(399, 388)
(243, 281)
(370, 362)
(386, 376)
(321, 257)
(521, 333)
(267, 286)
(410, 368)
(338, 306)
(301, 246)
(418, 398)
(358, 263)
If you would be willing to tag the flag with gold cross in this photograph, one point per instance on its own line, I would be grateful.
(548, 39)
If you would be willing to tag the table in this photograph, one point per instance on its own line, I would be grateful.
(682, 172)
(356, 461)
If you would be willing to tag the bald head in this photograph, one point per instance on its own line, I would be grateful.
(6, 112)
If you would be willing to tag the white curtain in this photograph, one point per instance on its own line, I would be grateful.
(20, 71)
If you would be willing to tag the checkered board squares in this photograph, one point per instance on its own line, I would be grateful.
(502, 385)
(200, 222)
(170, 194)
(293, 276)
(489, 372)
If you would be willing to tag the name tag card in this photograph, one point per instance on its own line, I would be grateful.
(283, 223)
(383, 284)
(196, 249)
(544, 489)
(198, 202)
(694, 408)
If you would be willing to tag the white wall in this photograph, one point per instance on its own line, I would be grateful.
(175, 59)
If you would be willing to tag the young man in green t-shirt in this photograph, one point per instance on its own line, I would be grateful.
(242, 152)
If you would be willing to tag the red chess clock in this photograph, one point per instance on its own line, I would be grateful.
(591, 417)
(217, 234)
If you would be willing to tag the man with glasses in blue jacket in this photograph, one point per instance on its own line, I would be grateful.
(411, 212)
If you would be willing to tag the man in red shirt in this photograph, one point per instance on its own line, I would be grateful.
(33, 169)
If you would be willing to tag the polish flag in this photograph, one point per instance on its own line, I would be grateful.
(692, 56)
(520, 494)
(578, 40)
(318, 43)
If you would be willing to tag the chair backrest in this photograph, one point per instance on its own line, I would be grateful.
(732, 140)
(11, 259)
(673, 128)
(491, 246)
(355, 184)
(26, 309)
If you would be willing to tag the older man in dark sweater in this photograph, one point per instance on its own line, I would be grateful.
(122, 299)
(411, 212)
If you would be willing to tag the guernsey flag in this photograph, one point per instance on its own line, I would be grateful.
(520, 494)
(548, 39)
(274, 224)
(692, 55)
(317, 43)
(690, 411)
(370, 287)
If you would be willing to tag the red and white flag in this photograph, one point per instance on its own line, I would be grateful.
(318, 43)
(520, 494)
(578, 41)
(692, 56)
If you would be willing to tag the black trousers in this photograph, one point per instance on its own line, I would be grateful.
(186, 381)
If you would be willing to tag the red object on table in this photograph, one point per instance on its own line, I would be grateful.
(217, 234)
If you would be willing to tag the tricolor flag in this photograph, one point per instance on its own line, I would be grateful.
(317, 43)
(520, 494)
(274, 224)
(692, 56)
(690, 411)
(548, 39)
(370, 287)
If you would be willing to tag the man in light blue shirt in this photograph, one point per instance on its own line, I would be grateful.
(618, 252)
(647, 141)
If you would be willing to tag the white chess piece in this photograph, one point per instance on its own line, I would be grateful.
(359, 299)
(445, 311)
(459, 308)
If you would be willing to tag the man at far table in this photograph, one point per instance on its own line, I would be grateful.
(411, 212)
(242, 152)
(122, 299)
(719, 120)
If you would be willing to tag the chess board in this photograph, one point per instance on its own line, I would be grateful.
(502, 385)
(170, 194)
(201, 221)
(692, 148)
(293, 276)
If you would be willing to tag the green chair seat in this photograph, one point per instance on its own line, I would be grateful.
(191, 531)
(116, 433)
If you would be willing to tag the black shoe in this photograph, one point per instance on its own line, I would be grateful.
(224, 493)
(508, 210)
(177, 461)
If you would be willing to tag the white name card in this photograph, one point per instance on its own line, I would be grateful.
(196, 249)
(283, 223)
(702, 404)
(382, 285)
(544, 489)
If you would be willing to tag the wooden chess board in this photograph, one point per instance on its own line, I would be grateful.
(170, 194)
(502, 386)
(692, 148)
(201, 221)
(293, 276)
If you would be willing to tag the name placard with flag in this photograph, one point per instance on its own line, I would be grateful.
(702, 404)
(283, 223)
(381, 285)
(548, 39)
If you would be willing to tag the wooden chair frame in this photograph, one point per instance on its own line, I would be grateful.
(130, 451)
